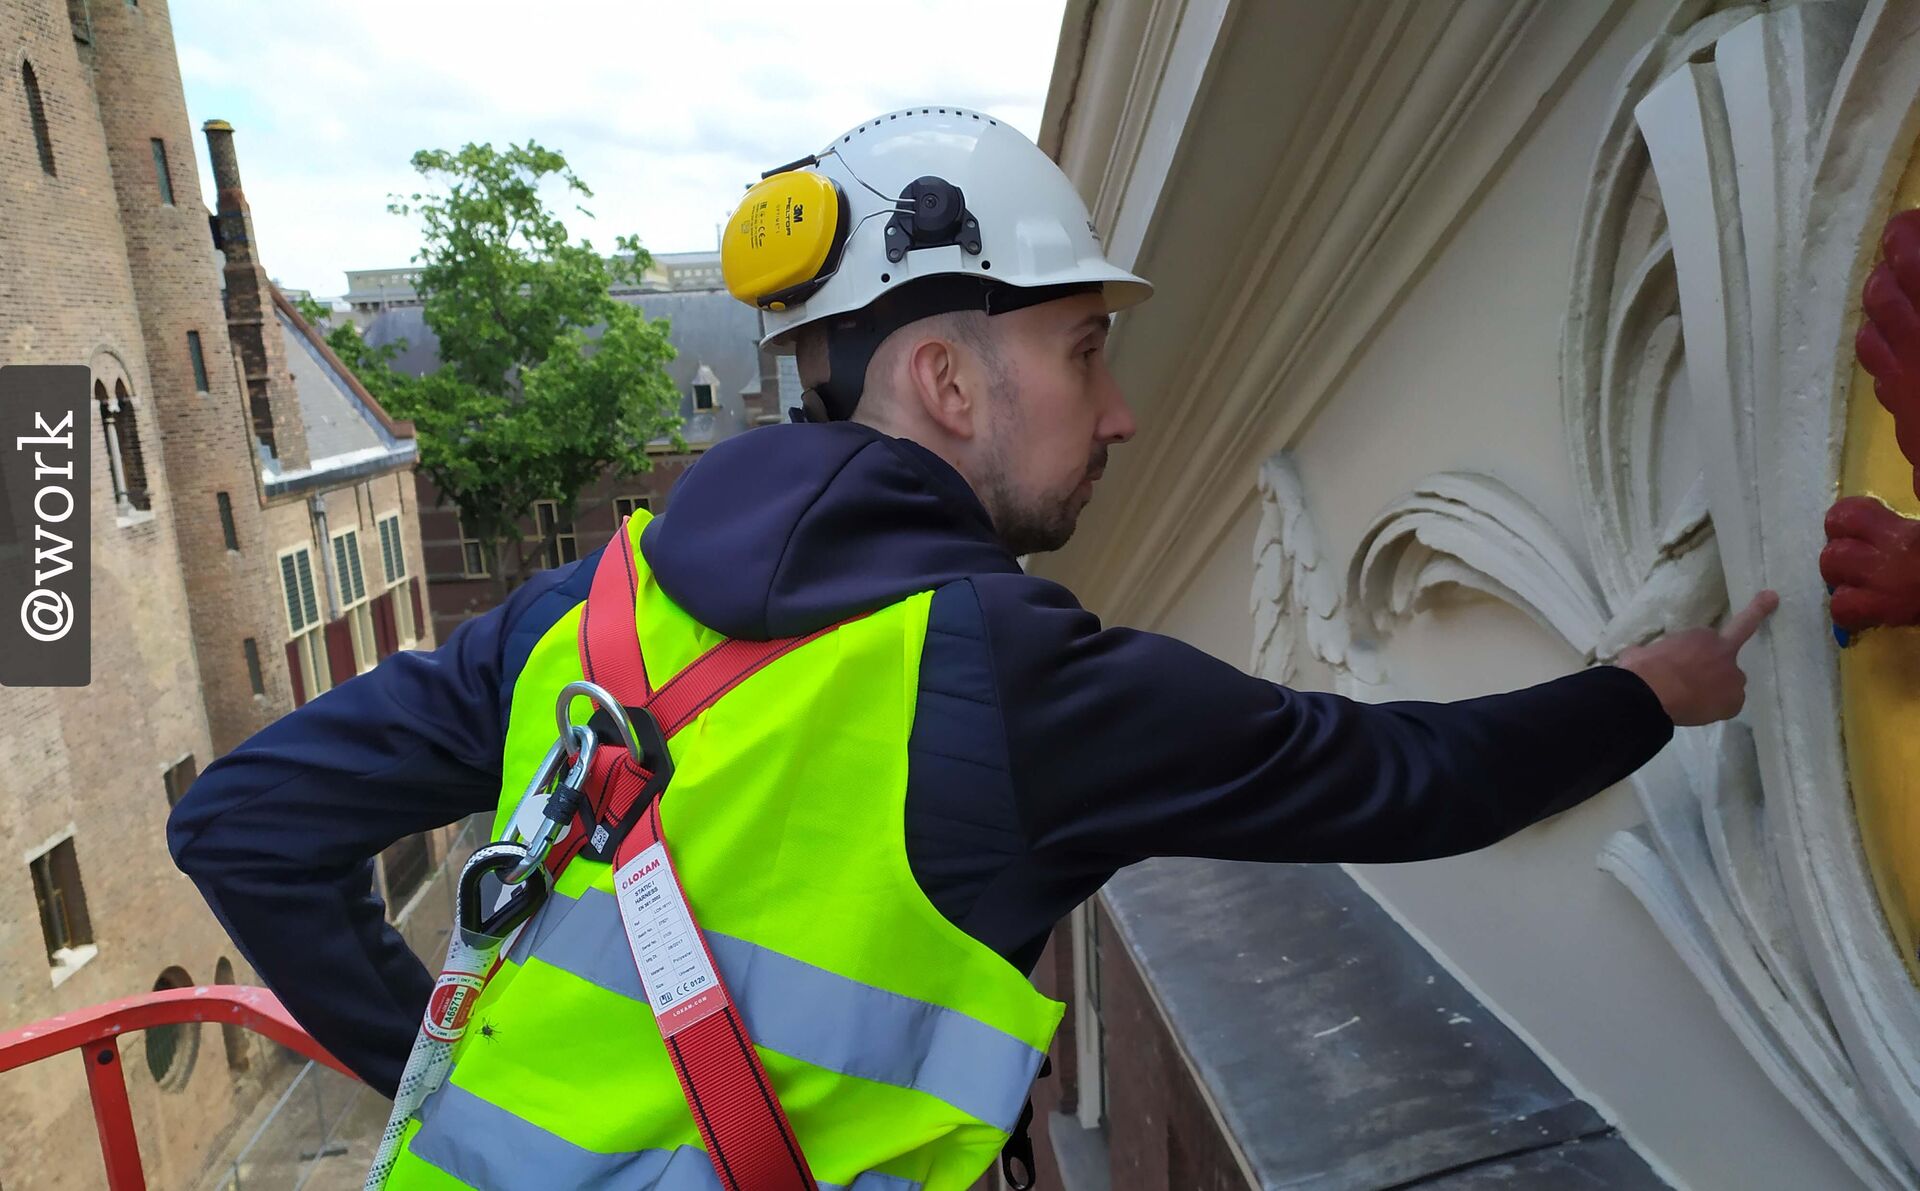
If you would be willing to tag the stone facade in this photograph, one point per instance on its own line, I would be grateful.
(1489, 341)
(107, 257)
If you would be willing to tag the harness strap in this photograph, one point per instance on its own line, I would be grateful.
(746, 1132)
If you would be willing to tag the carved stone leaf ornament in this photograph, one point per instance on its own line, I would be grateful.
(1738, 187)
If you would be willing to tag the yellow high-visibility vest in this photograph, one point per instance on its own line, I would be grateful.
(901, 1048)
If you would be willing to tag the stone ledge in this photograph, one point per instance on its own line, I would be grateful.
(1331, 1050)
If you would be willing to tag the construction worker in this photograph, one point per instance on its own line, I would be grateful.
(931, 757)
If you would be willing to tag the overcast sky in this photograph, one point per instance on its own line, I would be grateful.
(666, 108)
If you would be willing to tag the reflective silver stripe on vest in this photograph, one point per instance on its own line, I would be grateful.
(809, 1013)
(487, 1147)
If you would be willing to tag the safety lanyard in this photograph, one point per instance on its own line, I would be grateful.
(745, 1130)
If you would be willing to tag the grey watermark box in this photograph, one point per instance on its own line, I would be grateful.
(46, 525)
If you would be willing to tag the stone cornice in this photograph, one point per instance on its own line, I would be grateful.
(1414, 110)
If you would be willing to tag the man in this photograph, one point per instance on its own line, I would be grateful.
(877, 833)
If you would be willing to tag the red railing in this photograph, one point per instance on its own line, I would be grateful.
(95, 1032)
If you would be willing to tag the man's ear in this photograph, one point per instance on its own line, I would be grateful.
(938, 379)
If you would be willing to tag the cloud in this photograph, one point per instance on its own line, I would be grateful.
(666, 109)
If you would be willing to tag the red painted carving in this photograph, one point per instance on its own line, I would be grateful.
(1872, 563)
(1872, 558)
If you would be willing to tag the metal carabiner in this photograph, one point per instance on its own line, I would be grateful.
(477, 924)
(604, 700)
(562, 801)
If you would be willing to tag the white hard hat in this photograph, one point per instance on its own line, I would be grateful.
(904, 199)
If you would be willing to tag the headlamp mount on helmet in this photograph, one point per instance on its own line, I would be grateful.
(932, 214)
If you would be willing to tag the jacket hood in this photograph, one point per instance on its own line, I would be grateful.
(788, 529)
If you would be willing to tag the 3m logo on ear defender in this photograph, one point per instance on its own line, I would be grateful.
(778, 254)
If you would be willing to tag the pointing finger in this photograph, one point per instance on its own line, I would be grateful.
(1745, 623)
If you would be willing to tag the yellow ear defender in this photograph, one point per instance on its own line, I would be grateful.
(786, 237)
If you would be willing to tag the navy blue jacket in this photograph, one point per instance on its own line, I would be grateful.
(1047, 752)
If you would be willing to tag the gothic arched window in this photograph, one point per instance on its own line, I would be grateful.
(125, 461)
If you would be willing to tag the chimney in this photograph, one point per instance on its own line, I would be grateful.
(251, 322)
(233, 223)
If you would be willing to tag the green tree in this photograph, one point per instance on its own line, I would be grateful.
(524, 406)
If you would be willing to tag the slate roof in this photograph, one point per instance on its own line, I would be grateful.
(348, 434)
(709, 328)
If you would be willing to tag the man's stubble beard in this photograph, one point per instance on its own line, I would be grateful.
(1024, 525)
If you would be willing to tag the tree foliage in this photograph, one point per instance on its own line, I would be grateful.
(525, 406)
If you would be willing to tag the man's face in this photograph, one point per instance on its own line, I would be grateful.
(1054, 410)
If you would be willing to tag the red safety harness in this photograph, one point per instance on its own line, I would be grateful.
(745, 1130)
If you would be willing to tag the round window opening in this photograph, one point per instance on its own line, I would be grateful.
(171, 1049)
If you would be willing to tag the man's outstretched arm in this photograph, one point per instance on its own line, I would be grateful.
(1127, 744)
(279, 835)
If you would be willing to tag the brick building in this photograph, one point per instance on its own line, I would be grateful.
(726, 383)
(255, 541)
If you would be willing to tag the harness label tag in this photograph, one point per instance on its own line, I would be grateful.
(667, 949)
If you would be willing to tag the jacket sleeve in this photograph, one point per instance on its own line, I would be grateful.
(279, 834)
(1127, 744)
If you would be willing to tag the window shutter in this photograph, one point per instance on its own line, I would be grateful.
(293, 672)
(386, 634)
(340, 660)
(419, 622)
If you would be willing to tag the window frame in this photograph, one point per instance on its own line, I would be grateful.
(307, 637)
(471, 549)
(393, 564)
(162, 170)
(37, 117)
(713, 396)
(229, 531)
(633, 505)
(116, 410)
(174, 782)
(554, 554)
(256, 676)
(355, 609)
(78, 946)
(196, 352)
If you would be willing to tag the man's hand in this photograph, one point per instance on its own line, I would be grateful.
(1872, 564)
(1697, 673)
(1889, 340)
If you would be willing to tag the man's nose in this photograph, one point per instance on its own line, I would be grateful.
(1118, 425)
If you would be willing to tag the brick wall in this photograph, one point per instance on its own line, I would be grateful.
(176, 283)
(99, 268)
(92, 759)
(457, 596)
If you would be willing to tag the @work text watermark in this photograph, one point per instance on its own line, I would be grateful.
(46, 525)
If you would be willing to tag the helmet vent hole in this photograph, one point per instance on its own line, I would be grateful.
(885, 277)
(986, 264)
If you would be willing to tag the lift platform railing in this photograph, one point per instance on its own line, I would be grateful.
(95, 1033)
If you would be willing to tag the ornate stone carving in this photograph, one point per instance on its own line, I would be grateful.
(1296, 594)
(1737, 194)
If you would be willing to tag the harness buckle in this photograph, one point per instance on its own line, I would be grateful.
(652, 759)
(646, 745)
